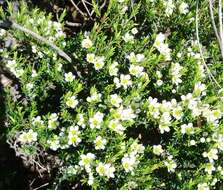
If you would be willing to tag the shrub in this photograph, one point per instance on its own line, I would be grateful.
(135, 108)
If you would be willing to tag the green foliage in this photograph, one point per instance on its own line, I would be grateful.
(135, 109)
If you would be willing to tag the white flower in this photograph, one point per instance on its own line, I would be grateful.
(90, 58)
(159, 82)
(213, 115)
(125, 81)
(99, 62)
(128, 37)
(127, 114)
(128, 163)
(86, 43)
(113, 70)
(54, 143)
(176, 73)
(192, 142)
(202, 186)
(69, 77)
(105, 170)
(164, 128)
(37, 121)
(209, 168)
(187, 128)
(28, 137)
(157, 149)
(169, 7)
(177, 112)
(136, 148)
(117, 82)
(170, 164)
(199, 88)
(86, 160)
(160, 38)
(29, 86)
(73, 136)
(95, 97)
(115, 100)
(134, 31)
(80, 120)
(90, 179)
(135, 58)
(34, 73)
(136, 70)
(212, 155)
(100, 143)
(52, 122)
(116, 126)
(72, 102)
(96, 120)
(183, 8)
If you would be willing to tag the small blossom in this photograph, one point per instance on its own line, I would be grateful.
(73, 136)
(96, 120)
(209, 168)
(113, 70)
(99, 62)
(136, 70)
(54, 143)
(128, 37)
(135, 58)
(69, 77)
(100, 143)
(211, 155)
(105, 170)
(157, 149)
(170, 164)
(95, 97)
(134, 31)
(52, 122)
(202, 186)
(115, 100)
(90, 58)
(72, 102)
(183, 8)
(116, 126)
(128, 163)
(86, 43)
(159, 82)
(187, 128)
(28, 137)
(125, 81)
(86, 160)
(37, 121)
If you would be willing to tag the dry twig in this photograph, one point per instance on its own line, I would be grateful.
(212, 78)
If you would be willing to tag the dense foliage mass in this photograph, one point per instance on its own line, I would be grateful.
(138, 107)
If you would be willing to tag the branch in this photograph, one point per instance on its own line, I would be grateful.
(213, 21)
(42, 39)
(201, 52)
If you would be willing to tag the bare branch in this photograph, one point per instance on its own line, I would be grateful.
(42, 39)
(89, 14)
(77, 8)
(213, 21)
(212, 78)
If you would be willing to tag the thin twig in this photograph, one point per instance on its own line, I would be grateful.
(201, 52)
(220, 26)
(76, 7)
(220, 19)
(42, 39)
(41, 186)
(73, 24)
(213, 21)
(89, 14)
